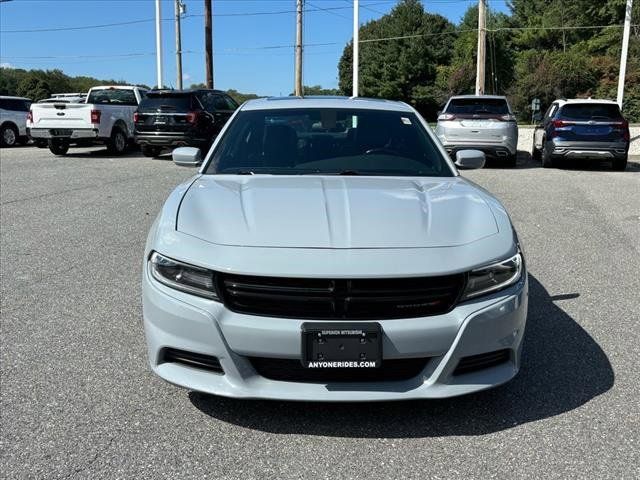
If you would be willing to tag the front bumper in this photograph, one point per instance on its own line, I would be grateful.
(177, 320)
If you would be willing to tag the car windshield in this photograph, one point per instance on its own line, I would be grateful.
(336, 141)
(478, 106)
(177, 102)
(591, 111)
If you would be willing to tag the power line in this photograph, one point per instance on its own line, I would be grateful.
(193, 15)
(327, 10)
(324, 44)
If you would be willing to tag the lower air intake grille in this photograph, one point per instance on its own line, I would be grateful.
(190, 359)
(341, 299)
(482, 361)
(287, 370)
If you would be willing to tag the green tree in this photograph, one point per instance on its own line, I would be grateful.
(401, 68)
(33, 87)
(318, 90)
(460, 77)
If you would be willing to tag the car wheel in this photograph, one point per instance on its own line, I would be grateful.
(547, 160)
(535, 153)
(8, 136)
(148, 151)
(117, 144)
(620, 164)
(58, 147)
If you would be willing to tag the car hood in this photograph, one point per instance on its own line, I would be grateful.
(335, 212)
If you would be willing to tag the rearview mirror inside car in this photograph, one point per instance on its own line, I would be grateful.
(187, 156)
(470, 159)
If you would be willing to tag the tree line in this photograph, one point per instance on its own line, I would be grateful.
(41, 84)
(523, 61)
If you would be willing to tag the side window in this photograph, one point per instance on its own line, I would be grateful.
(15, 105)
(128, 98)
(3, 104)
(220, 103)
(552, 111)
(232, 105)
(207, 100)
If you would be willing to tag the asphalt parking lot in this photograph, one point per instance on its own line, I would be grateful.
(78, 400)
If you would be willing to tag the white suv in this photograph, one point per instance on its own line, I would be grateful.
(481, 122)
(13, 120)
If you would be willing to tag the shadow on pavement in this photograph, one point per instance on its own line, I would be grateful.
(562, 369)
(523, 160)
(100, 152)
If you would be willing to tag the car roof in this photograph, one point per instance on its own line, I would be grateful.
(564, 101)
(325, 101)
(3, 97)
(116, 87)
(492, 97)
(164, 91)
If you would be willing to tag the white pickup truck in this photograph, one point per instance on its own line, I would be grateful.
(106, 117)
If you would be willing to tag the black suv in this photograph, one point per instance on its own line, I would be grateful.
(178, 118)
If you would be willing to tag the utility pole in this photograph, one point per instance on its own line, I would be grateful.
(208, 43)
(179, 7)
(623, 54)
(298, 72)
(158, 44)
(356, 47)
(482, 46)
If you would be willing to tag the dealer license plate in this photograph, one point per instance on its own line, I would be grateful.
(341, 345)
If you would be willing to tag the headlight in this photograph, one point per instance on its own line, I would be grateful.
(181, 276)
(494, 277)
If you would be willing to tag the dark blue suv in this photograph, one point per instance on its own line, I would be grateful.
(583, 129)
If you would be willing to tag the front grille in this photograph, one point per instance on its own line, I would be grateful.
(480, 362)
(287, 370)
(355, 299)
(190, 359)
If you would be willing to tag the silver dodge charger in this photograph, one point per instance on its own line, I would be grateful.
(328, 250)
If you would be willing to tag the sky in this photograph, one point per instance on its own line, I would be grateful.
(252, 40)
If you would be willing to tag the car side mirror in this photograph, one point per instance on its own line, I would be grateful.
(470, 159)
(187, 156)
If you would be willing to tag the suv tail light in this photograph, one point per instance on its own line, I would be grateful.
(95, 116)
(446, 116)
(624, 126)
(192, 117)
(136, 117)
(30, 116)
(560, 124)
(507, 118)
